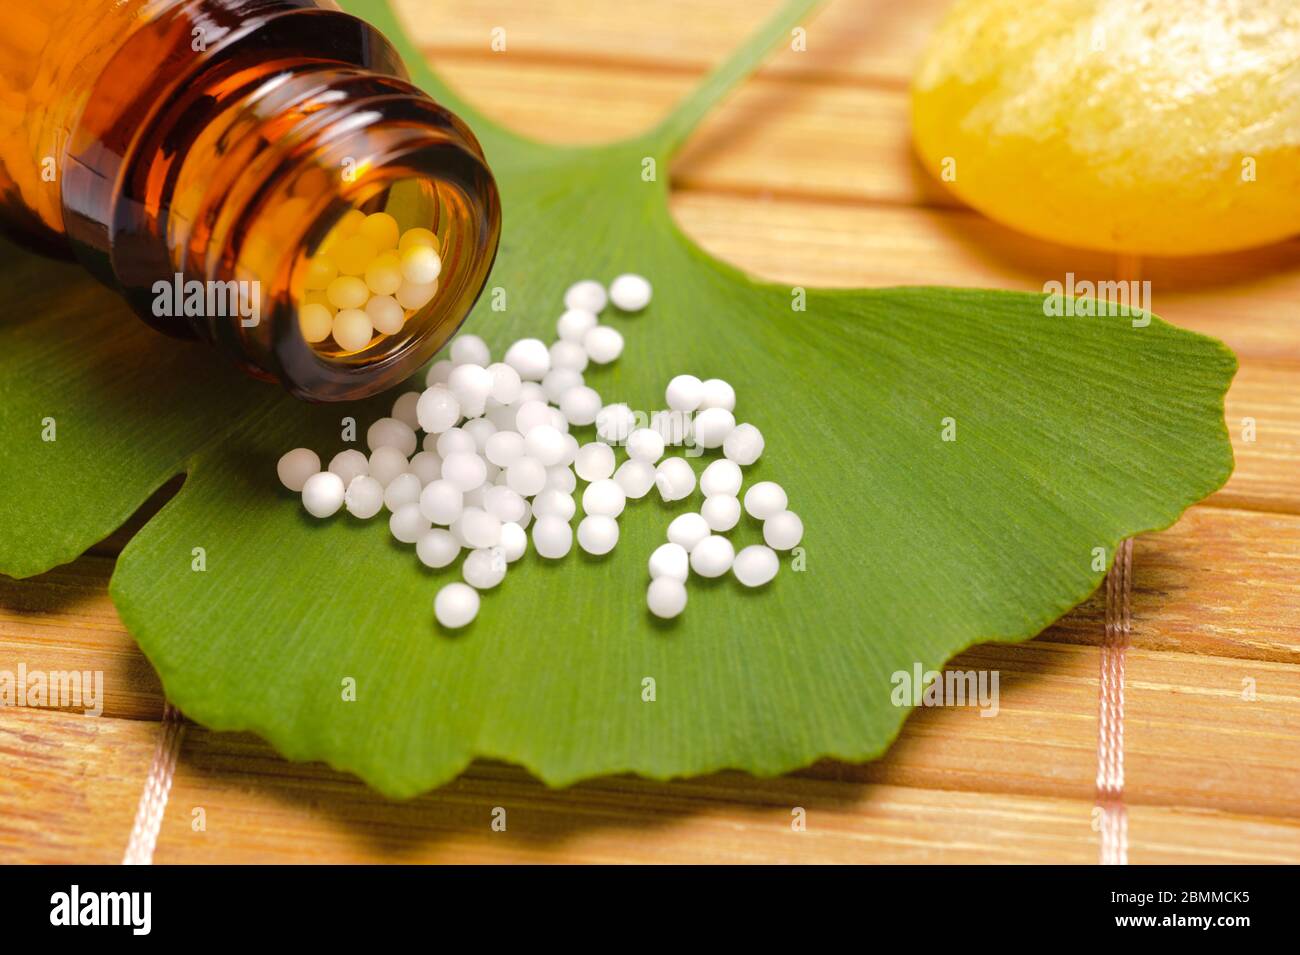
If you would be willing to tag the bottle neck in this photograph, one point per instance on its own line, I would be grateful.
(200, 189)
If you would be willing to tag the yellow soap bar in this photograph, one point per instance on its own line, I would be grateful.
(1167, 127)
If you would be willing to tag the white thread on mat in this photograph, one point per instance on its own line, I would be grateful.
(1110, 724)
(157, 787)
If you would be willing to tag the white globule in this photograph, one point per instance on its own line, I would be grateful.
(575, 323)
(503, 416)
(670, 560)
(569, 356)
(597, 534)
(456, 440)
(364, 497)
(386, 463)
(684, 393)
(721, 512)
(514, 541)
(437, 409)
(389, 432)
(645, 445)
(470, 350)
(587, 295)
(666, 597)
(480, 429)
(675, 479)
(571, 446)
(721, 477)
(675, 427)
(477, 497)
(604, 497)
(427, 466)
(456, 605)
(526, 477)
(296, 466)
(349, 464)
(552, 537)
(532, 414)
(401, 490)
(504, 448)
(636, 478)
(629, 292)
(442, 502)
(783, 530)
(407, 524)
(687, 530)
(465, 469)
(545, 444)
(530, 357)
(560, 478)
(743, 445)
(555, 504)
(479, 528)
(580, 405)
(471, 384)
(603, 344)
(531, 391)
(352, 327)
(322, 494)
(594, 461)
(755, 565)
(437, 548)
(716, 393)
(504, 504)
(420, 265)
(712, 426)
(765, 499)
(438, 373)
(560, 380)
(506, 383)
(404, 409)
(712, 556)
(615, 422)
(484, 567)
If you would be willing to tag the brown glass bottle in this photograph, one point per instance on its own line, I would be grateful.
(219, 142)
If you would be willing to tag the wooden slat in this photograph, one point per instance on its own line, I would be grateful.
(827, 141)
(852, 41)
(1263, 417)
(1219, 582)
(256, 808)
(69, 785)
(63, 620)
(1245, 758)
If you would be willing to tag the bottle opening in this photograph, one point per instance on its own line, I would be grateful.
(372, 281)
(373, 247)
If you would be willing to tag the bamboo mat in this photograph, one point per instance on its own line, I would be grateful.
(804, 176)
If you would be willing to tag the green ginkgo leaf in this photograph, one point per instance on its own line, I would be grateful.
(1070, 435)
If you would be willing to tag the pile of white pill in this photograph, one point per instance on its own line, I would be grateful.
(497, 455)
